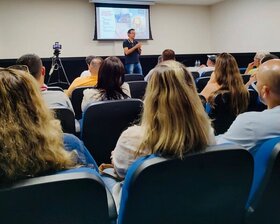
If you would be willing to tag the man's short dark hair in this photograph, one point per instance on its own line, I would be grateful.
(89, 59)
(168, 54)
(269, 57)
(33, 62)
(128, 32)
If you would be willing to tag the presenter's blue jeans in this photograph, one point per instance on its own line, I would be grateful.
(134, 68)
(71, 142)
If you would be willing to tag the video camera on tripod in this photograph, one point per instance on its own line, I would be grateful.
(57, 47)
(57, 66)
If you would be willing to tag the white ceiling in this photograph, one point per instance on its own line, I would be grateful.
(189, 2)
(175, 2)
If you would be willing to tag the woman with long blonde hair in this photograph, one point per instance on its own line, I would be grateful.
(31, 139)
(173, 123)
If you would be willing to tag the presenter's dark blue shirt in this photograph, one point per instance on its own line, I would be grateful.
(133, 57)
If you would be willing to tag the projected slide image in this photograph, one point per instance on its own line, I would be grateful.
(113, 23)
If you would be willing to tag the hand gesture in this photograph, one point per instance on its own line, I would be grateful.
(251, 65)
(139, 45)
(104, 166)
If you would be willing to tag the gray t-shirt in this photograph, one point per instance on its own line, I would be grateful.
(57, 99)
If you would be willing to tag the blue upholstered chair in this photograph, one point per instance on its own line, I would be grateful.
(103, 123)
(209, 187)
(72, 198)
(137, 89)
(264, 200)
(201, 83)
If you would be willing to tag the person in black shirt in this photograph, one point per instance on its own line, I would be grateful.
(132, 51)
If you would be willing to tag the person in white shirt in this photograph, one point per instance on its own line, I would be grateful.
(210, 64)
(251, 129)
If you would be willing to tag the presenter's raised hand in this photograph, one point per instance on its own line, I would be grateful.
(139, 45)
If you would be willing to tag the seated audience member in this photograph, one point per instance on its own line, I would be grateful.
(31, 140)
(166, 55)
(226, 77)
(170, 91)
(253, 76)
(110, 84)
(210, 64)
(253, 66)
(37, 70)
(87, 80)
(251, 129)
(87, 72)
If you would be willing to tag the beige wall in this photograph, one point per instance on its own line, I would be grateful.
(245, 26)
(233, 26)
(34, 25)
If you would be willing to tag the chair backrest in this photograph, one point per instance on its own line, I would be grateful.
(103, 123)
(210, 187)
(137, 89)
(254, 103)
(62, 85)
(133, 77)
(221, 113)
(195, 75)
(55, 88)
(76, 100)
(242, 70)
(265, 201)
(206, 74)
(63, 198)
(67, 119)
(201, 83)
(245, 78)
(203, 100)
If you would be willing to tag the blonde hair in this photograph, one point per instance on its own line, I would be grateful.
(173, 118)
(31, 140)
(227, 75)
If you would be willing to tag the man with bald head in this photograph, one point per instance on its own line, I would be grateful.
(251, 129)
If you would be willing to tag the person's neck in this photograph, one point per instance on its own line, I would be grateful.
(271, 105)
(40, 82)
(131, 39)
(273, 100)
(94, 74)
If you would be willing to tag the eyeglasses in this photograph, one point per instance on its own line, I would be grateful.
(17, 67)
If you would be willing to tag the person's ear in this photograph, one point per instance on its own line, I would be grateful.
(43, 71)
(265, 91)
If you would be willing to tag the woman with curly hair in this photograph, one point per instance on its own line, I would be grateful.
(31, 139)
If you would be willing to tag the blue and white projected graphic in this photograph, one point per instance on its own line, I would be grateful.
(113, 23)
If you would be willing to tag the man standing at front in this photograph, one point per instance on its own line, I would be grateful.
(132, 51)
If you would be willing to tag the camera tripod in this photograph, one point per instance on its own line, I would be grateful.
(57, 66)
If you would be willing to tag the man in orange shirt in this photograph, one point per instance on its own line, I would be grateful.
(87, 80)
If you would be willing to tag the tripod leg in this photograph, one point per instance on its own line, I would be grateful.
(63, 70)
(52, 68)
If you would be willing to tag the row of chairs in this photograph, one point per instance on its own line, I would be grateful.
(222, 116)
(202, 82)
(208, 73)
(137, 91)
(208, 187)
